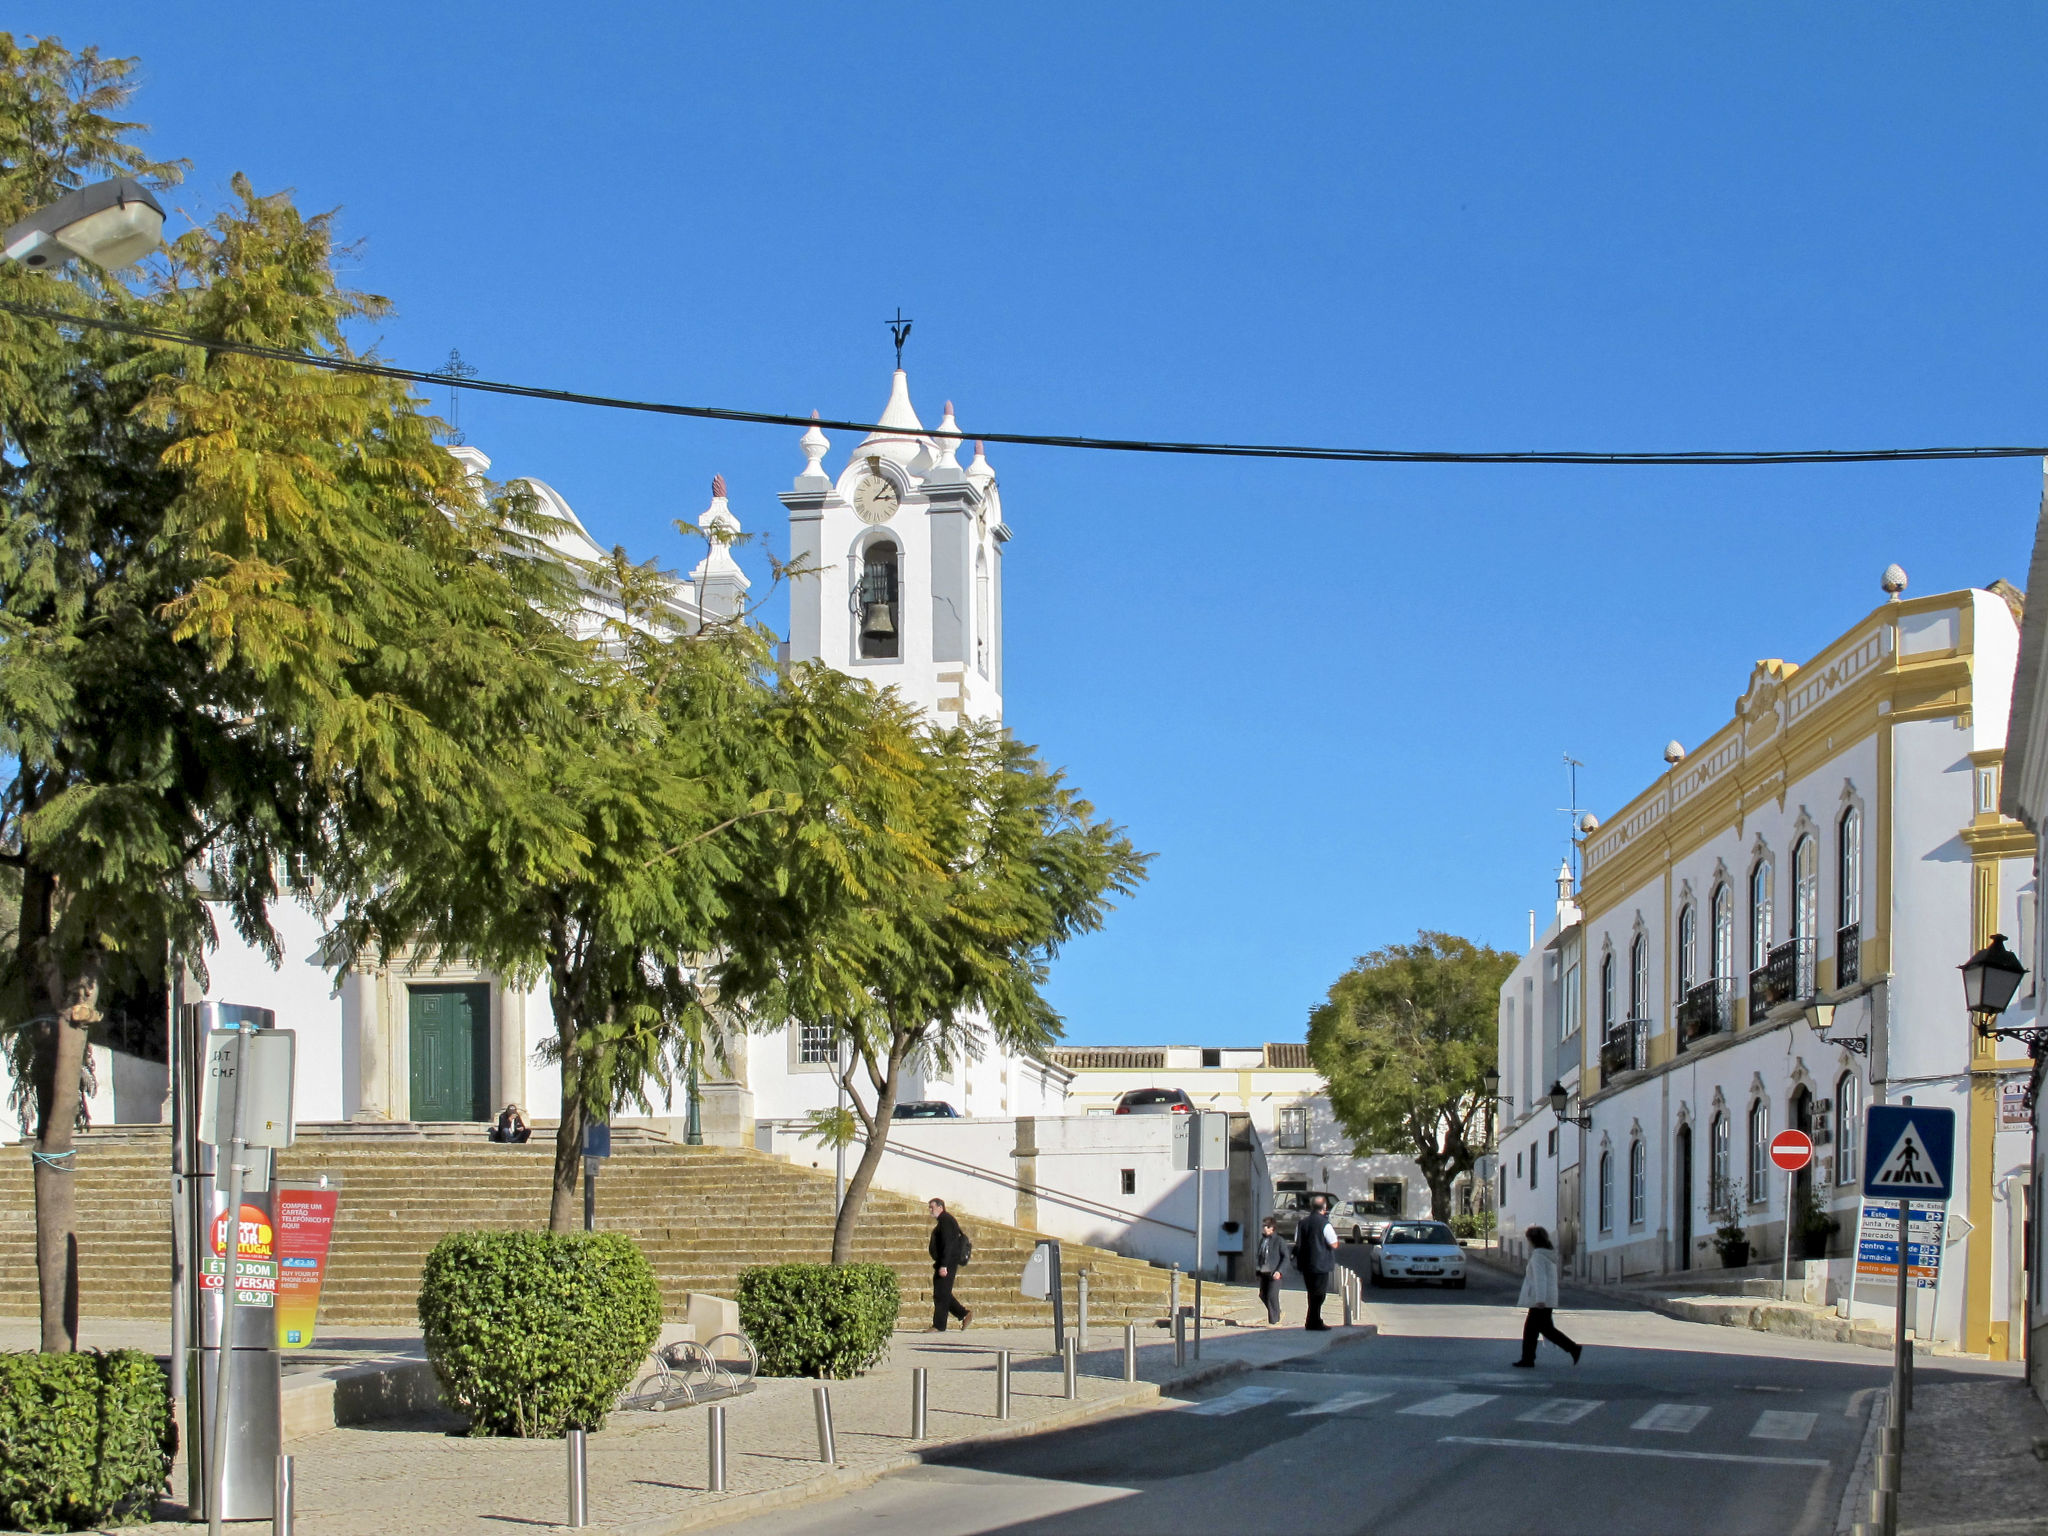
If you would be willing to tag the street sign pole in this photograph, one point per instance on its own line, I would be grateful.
(1785, 1261)
(229, 1281)
(1201, 1178)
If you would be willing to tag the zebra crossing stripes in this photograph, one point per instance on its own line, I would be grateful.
(1559, 1410)
(1237, 1402)
(1674, 1418)
(1450, 1405)
(1777, 1424)
(1343, 1402)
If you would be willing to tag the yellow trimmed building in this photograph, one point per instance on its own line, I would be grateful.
(1839, 840)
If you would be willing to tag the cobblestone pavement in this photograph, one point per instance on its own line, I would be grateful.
(1972, 1465)
(649, 1472)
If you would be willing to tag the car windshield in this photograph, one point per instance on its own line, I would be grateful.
(1421, 1232)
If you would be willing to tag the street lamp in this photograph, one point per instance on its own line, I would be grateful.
(1820, 1018)
(1990, 978)
(110, 224)
(1560, 1101)
(1490, 1081)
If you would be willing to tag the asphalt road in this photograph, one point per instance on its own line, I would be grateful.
(1665, 1428)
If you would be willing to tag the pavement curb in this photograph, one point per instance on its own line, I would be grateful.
(1863, 1475)
(843, 1480)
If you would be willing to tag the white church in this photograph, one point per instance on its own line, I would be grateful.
(900, 562)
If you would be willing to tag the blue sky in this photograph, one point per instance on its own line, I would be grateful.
(1333, 699)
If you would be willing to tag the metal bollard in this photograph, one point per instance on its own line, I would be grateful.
(1002, 1383)
(579, 1479)
(1081, 1309)
(1180, 1338)
(1345, 1291)
(1130, 1351)
(1173, 1291)
(920, 1400)
(821, 1400)
(717, 1423)
(281, 1497)
(1072, 1367)
(1906, 1380)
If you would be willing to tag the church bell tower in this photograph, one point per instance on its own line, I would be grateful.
(901, 564)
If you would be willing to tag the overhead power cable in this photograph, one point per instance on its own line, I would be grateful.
(1704, 457)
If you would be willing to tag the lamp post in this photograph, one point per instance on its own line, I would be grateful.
(1990, 979)
(110, 224)
(1820, 1018)
(1489, 1080)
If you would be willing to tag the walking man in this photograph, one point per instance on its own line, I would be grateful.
(948, 1249)
(1539, 1295)
(1315, 1248)
(1267, 1264)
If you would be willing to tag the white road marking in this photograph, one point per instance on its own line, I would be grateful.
(1559, 1410)
(1343, 1402)
(1674, 1418)
(1636, 1450)
(1781, 1425)
(1237, 1402)
(1450, 1405)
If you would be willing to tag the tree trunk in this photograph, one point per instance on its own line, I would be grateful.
(565, 1206)
(871, 1155)
(1440, 1180)
(70, 1003)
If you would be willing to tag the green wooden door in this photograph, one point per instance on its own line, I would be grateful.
(451, 1052)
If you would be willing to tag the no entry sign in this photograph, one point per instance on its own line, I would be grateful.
(1791, 1150)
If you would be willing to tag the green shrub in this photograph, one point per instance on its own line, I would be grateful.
(534, 1333)
(83, 1438)
(819, 1319)
(1472, 1224)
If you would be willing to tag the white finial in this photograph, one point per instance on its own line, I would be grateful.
(1674, 754)
(947, 439)
(719, 581)
(815, 445)
(1893, 581)
(979, 470)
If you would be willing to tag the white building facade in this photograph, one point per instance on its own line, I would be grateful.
(1535, 1163)
(1839, 840)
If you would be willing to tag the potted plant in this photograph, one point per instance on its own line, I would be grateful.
(1732, 1243)
(1814, 1228)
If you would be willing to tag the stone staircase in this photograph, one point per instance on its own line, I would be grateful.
(701, 1214)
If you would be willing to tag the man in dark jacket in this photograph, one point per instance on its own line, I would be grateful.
(1315, 1255)
(948, 1249)
(1267, 1264)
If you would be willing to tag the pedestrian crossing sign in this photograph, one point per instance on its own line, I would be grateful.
(1909, 1150)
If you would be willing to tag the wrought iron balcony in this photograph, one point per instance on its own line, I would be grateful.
(1706, 1009)
(1626, 1048)
(1848, 954)
(1788, 973)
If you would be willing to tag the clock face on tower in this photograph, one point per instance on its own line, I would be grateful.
(875, 499)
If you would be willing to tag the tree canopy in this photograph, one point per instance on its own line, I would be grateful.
(1402, 1042)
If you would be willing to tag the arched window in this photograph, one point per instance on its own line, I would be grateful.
(1688, 947)
(1639, 977)
(1759, 1149)
(1848, 1122)
(1759, 915)
(981, 612)
(1848, 897)
(1606, 992)
(880, 611)
(1805, 911)
(1606, 1191)
(1638, 1182)
(1724, 932)
(1717, 1163)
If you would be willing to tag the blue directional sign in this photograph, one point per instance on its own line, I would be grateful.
(1909, 1150)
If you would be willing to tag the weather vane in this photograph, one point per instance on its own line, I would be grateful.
(900, 329)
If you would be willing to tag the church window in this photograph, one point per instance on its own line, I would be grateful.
(1688, 947)
(1638, 1183)
(880, 609)
(1759, 915)
(1759, 1150)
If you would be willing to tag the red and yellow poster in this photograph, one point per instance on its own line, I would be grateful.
(256, 1267)
(305, 1226)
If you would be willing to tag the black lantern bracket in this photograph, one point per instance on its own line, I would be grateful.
(1991, 978)
(1560, 1102)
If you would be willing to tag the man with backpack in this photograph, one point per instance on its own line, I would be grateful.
(949, 1249)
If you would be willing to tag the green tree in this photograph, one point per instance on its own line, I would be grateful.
(246, 607)
(1402, 1042)
(969, 876)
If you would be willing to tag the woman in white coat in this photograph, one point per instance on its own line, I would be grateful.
(1539, 1295)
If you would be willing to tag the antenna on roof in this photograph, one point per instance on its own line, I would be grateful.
(455, 371)
(1571, 813)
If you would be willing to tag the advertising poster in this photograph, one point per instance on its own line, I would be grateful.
(256, 1271)
(305, 1227)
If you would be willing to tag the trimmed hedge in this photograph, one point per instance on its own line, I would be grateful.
(83, 1438)
(535, 1333)
(819, 1319)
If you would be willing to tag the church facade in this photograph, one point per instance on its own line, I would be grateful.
(897, 565)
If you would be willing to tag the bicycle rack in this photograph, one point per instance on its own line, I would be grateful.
(687, 1373)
